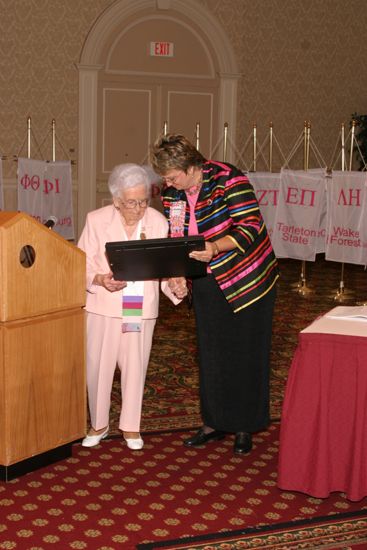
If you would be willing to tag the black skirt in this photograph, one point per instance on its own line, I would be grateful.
(234, 359)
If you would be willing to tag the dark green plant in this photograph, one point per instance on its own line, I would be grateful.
(361, 138)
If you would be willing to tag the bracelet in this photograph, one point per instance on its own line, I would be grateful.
(216, 249)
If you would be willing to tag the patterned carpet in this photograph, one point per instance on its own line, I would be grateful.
(171, 393)
(169, 496)
(344, 531)
(108, 498)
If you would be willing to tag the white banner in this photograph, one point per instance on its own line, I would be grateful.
(362, 228)
(44, 190)
(346, 217)
(266, 186)
(321, 238)
(1, 186)
(297, 230)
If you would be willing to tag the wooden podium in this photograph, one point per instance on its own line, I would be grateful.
(42, 350)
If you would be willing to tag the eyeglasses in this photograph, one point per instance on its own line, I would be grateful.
(132, 203)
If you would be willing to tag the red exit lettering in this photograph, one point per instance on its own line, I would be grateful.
(161, 49)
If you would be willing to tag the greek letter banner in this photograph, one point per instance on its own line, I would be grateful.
(266, 186)
(1, 186)
(362, 228)
(346, 219)
(297, 224)
(44, 190)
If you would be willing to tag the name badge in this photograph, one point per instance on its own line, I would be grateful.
(177, 218)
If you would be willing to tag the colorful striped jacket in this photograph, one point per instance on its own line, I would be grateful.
(227, 206)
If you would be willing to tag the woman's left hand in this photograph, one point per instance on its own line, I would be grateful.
(178, 286)
(204, 255)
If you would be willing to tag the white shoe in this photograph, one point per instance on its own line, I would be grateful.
(135, 444)
(93, 440)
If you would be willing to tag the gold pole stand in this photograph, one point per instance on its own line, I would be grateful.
(342, 294)
(301, 287)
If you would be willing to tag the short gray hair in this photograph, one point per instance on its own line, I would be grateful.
(126, 176)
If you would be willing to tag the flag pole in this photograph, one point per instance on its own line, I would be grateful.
(254, 151)
(29, 137)
(303, 289)
(197, 135)
(53, 126)
(341, 293)
(225, 141)
(270, 147)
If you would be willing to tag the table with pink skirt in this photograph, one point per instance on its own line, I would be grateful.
(323, 434)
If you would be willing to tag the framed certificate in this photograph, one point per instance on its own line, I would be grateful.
(155, 258)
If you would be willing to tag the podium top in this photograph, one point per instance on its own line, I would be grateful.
(41, 272)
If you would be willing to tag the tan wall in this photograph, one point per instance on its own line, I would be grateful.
(40, 46)
(301, 60)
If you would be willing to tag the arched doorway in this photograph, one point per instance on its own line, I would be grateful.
(107, 76)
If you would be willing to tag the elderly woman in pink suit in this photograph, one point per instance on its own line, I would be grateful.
(115, 333)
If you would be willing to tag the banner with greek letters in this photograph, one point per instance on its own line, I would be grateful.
(298, 215)
(1, 186)
(44, 190)
(346, 217)
(266, 186)
(362, 227)
(321, 235)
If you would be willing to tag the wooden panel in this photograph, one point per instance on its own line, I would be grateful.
(185, 110)
(42, 384)
(126, 126)
(56, 280)
(2, 397)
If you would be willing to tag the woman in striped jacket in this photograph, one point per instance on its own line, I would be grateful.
(234, 302)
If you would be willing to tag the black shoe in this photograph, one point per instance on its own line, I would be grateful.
(242, 443)
(201, 437)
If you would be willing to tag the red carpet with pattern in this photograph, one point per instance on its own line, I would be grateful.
(109, 497)
(346, 531)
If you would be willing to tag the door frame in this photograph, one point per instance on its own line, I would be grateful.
(90, 63)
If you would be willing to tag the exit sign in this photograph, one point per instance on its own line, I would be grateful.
(161, 49)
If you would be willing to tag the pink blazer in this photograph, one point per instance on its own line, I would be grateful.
(104, 225)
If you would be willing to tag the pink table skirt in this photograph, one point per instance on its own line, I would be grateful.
(323, 436)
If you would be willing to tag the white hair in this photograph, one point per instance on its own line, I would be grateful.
(126, 176)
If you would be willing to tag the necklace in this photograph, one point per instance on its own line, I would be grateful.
(194, 189)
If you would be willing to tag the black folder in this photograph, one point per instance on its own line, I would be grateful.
(155, 258)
